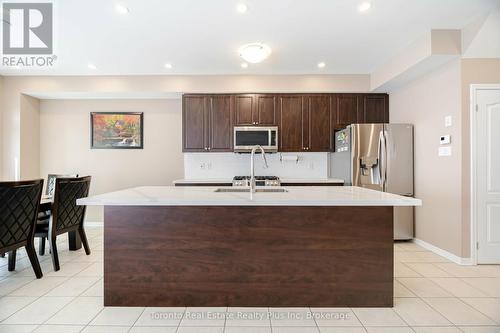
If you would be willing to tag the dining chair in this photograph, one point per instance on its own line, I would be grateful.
(19, 203)
(51, 182)
(66, 214)
(43, 217)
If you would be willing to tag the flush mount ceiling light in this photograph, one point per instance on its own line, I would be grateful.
(321, 64)
(363, 7)
(92, 66)
(168, 66)
(241, 8)
(121, 9)
(254, 52)
(244, 65)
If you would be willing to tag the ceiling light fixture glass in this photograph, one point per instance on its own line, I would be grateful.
(254, 52)
(121, 9)
(363, 7)
(241, 8)
(92, 66)
(244, 65)
(168, 66)
(321, 64)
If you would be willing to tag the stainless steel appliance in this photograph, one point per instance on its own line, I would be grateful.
(247, 137)
(378, 157)
(259, 181)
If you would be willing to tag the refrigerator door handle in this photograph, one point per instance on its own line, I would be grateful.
(385, 160)
(383, 157)
(380, 157)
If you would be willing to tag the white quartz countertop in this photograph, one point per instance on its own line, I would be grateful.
(283, 180)
(205, 196)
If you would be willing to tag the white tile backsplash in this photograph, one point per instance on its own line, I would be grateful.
(227, 165)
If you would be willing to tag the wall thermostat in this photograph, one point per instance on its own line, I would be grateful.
(444, 139)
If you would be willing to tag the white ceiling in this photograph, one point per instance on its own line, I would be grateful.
(203, 36)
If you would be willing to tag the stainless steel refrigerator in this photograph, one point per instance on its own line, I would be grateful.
(378, 157)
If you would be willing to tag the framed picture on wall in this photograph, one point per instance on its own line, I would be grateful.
(116, 130)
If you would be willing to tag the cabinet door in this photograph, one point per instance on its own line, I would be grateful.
(220, 123)
(320, 137)
(290, 122)
(244, 106)
(375, 109)
(347, 110)
(194, 134)
(265, 110)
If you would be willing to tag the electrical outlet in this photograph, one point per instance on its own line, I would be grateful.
(310, 165)
(202, 166)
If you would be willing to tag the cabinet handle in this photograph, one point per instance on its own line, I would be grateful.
(208, 148)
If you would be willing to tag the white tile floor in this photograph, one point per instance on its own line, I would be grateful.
(432, 295)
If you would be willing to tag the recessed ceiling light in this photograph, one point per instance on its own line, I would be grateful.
(121, 9)
(321, 64)
(254, 52)
(168, 66)
(244, 65)
(363, 7)
(91, 66)
(241, 8)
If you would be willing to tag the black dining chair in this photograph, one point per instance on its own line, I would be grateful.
(66, 215)
(19, 203)
(43, 216)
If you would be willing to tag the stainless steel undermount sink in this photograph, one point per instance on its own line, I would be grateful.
(259, 190)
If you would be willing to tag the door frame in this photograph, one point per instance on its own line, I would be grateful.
(474, 89)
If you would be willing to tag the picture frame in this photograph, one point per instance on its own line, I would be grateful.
(117, 130)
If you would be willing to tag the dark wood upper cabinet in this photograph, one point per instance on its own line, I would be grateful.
(220, 127)
(244, 109)
(290, 123)
(375, 108)
(319, 130)
(265, 110)
(306, 122)
(194, 123)
(255, 110)
(207, 123)
(346, 110)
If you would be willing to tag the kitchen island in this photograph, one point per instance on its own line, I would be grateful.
(192, 246)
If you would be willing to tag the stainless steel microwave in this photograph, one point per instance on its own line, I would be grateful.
(246, 137)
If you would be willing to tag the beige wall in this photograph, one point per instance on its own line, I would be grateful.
(65, 145)
(12, 137)
(443, 183)
(29, 134)
(474, 71)
(425, 102)
(1, 126)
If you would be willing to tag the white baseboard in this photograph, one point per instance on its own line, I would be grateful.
(94, 224)
(443, 253)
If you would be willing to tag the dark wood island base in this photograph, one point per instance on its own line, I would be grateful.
(252, 256)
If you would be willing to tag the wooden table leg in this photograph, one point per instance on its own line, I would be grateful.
(75, 243)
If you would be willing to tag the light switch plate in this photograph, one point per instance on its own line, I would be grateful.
(447, 121)
(444, 151)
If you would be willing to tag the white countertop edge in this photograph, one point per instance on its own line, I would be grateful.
(205, 196)
(283, 180)
(365, 203)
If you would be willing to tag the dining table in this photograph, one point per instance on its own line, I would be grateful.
(74, 240)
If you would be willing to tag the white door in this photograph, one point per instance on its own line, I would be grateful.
(488, 175)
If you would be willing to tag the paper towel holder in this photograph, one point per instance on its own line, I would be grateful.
(289, 158)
